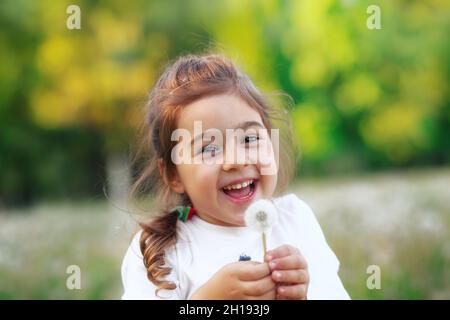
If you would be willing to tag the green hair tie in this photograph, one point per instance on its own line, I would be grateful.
(184, 213)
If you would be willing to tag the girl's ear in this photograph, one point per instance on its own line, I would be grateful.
(175, 184)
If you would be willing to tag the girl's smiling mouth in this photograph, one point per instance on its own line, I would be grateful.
(241, 192)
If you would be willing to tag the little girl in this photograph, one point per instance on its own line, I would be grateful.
(198, 246)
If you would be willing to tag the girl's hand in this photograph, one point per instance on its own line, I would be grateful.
(243, 280)
(289, 271)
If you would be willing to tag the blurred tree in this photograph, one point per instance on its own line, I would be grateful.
(364, 99)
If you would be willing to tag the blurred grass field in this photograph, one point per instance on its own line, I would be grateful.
(398, 221)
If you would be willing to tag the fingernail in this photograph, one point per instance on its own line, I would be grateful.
(277, 275)
(269, 257)
(272, 264)
(281, 290)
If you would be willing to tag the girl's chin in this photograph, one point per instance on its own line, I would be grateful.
(234, 220)
(240, 221)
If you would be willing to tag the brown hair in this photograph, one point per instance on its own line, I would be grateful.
(188, 79)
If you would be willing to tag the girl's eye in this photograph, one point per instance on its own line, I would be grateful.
(249, 139)
(210, 149)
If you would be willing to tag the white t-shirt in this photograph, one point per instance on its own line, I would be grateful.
(203, 248)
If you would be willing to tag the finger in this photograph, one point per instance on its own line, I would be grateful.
(251, 271)
(280, 297)
(291, 276)
(258, 288)
(281, 251)
(269, 295)
(297, 291)
(296, 261)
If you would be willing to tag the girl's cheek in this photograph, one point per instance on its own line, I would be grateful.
(268, 185)
(267, 166)
(267, 160)
(207, 176)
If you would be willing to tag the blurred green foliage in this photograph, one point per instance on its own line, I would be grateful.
(364, 99)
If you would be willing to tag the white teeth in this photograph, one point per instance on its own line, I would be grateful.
(239, 185)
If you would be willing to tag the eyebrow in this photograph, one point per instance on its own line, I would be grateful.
(243, 125)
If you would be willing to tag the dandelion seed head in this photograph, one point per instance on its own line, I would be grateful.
(261, 215)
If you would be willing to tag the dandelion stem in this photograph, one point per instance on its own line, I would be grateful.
(264, 244)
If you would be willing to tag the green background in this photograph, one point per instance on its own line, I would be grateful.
(371, 115)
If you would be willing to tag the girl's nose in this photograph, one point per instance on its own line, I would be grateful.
(227, 166)
(232, 161)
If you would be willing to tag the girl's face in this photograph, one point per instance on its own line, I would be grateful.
(216, 180)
